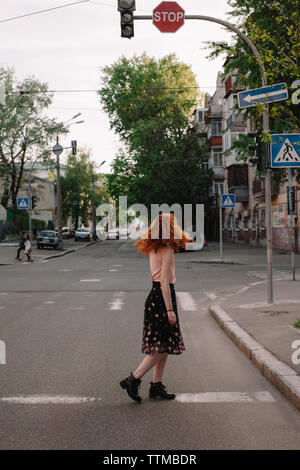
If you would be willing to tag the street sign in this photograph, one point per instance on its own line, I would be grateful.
(57, 149)
(228, 200)
(23, 203)
(168, 17)
(285, 150)
(266, 94)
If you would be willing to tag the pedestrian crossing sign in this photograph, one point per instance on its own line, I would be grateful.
(285, 150)
(23, 203)
(228, 200)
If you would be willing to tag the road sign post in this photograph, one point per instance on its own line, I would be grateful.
(57, 150)
(226, 200)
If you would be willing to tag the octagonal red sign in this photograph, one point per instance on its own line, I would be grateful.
(168, 17)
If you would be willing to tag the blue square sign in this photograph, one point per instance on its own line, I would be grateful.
(23, 203)
(228, 200)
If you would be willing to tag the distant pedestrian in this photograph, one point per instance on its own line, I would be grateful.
(161, 330)
(28, 250)
(21, 245)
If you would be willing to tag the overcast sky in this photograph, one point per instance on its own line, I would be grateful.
(67, 48)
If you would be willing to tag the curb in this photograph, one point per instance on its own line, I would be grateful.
(285, 379)
(72, 250)
(216, 261)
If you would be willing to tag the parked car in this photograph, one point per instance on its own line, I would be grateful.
(113, 233)
(66, 232)
(47, 238)
(83, 234)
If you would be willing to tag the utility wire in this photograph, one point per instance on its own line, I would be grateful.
(43, 11)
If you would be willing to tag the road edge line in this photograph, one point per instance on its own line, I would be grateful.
(72, 250)
(282, 376)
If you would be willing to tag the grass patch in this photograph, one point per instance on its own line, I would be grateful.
(297, 324)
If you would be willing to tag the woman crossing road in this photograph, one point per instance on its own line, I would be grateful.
(28, 250)
(161, 330)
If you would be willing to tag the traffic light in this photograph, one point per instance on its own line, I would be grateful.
(33, 201)
(74, 147)
(126, 9)
(258, 149)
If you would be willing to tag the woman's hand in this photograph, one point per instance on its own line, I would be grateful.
(171, 317)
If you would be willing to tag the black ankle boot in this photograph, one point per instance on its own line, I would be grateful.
(158, 389)
(132, 384)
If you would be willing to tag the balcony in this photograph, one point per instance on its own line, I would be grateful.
(214, 110)
(259, 191)
(237, 176)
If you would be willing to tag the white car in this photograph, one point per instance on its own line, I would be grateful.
(83, 234)
(113, 233)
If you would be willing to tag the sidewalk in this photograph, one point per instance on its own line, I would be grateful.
(8, 252)
(264, 332)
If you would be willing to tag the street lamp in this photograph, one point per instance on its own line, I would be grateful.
(57, 150)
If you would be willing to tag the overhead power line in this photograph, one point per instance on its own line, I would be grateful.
(42, 11)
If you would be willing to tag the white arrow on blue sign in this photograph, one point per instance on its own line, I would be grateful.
(266, 94)
(228, 200)
(285, 150)
(23, 203)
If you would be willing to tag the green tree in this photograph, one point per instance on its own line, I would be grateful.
(274, 27)
(77, 188)
(150, 103)
(24, 132)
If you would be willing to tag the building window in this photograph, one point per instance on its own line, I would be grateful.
(237, 221)
(218, 188)
(217, 158)
(262, 218)
(216, 128)
(246, 222)
(200, 116)
(229, 220)
(254, 219)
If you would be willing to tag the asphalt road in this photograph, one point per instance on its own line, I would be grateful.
(72, 328)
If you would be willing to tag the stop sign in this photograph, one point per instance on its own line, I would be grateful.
(168, 17)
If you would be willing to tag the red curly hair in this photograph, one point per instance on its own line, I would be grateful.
(164, 224)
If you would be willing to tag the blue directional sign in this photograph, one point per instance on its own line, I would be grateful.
(228, 200)
(23, 203)
(285, 150)
(266, 94)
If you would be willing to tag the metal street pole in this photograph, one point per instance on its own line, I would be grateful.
(57, 150)
(291, 222)
(93, 208)
(265, 128)
(221, 228)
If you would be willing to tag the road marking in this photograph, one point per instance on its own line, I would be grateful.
(90, 280)
(211, 295)
(63, 270)
(48, 399)
(224, 397)
(113, 270)
(117, 302)
(186, 300)
(117, 265)
(49, 302)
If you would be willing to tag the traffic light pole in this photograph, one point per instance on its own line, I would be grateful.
(265, 128)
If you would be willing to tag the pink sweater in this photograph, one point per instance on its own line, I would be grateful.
(162, 264)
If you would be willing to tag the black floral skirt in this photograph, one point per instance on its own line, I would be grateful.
(159, 336)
